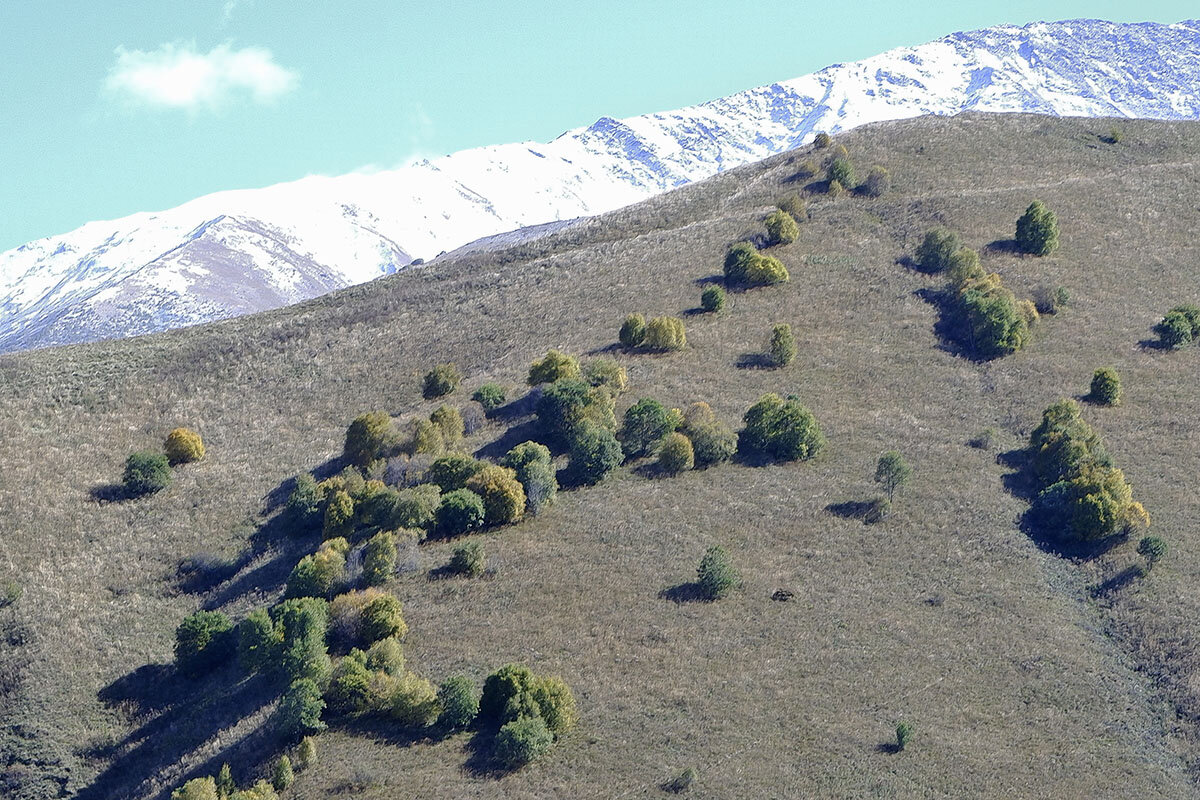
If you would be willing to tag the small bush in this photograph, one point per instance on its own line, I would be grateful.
(712, 442)
(306, 753)
(646, 423)
(412, 701)
(300, 710)
(606, 373)
(938, 249)
(452, 471)
(379, 559)
(318, 574)
(459, 703)
(1180, 327)
(197, 789)
(503, 495)
(712, 299)
(665, 333)
(822, 140)
(1106, 387)
(414, 508)
(892, 472)
(146, 473)
(738, 261)
(716, 575)
(386, 656)
(501, 690)
(781, 228)
(785, 430)
(594, 453)
(766, 271)
(525, 454)
(490, 396)
(841, 171)
(460, 511)
(202, 642)
(469, 560)
(368, 437)
(1037, 230)
(964, 266)
(904, 735)
(1153, 549)
(383, 617)
(521, 741)
(555, 366)
(633, 331)
(183, 446)
(676, 454)
(794, 206)
(427, 438)
(349, 689)
(878, 182)
(283, 777)
(259, 645)
(783, 345)
(339, 516)
(441, 381)
(450, 423)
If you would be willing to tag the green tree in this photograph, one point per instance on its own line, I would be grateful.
(555, 366)
(452, 471)
(490, 396)
(202, 641)
(468, 559)
(318, 574)
(738, 262)
(441, 381)
(783, 345)
(633, 331)
(665, 333)
(1106, 387)
(785, 430)
(646, 423)
(676, 454)
(461, 511)
(339, 515)
(368, 436)
(459, 703)
(304, 502)
(712, 299)
(259, 645)
(379, 559)
(594, 453)
(1180, 327)
(521, 741)
(300, 710)
(841, 171)
(301, 623)
(1153, 549)
(306, 753)
(1037, 230)
(503, 495)
(964, 266)
(197, 789)
(146, 473)
(382, 618)
(781, 228)
(937, 251)
(993, 319)
(562, 408)
(450, 422)
(716, 575)
(284, 777)
(225, 784)
(892, 472)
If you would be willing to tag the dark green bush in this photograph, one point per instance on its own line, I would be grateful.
(459, 703)
(676, 454)
(716, 575)
(379, 559)
(350, 685)
(523, 455)
(904, 735)
(665, 333)
(1106, 387)
(712, 442)
(562, 408)
(259, 645)
(441, 381)
(594, 453)
(1153, 549)
(368, 437)
(300, 710)
(490, 396)
(301, 624)
(304, 503)
(468, 559)
(937, 251)
(521, 741)
(501, 690)
(646, 423)
(712, 299)
(878, 182)
(555, 366)
(203, 641)
(785, 430)
(1037, 230)
(1180, 327)
(145, 473)
(460, 511)
(452, 471)
(738, 261)
(781, 228)
(283, 776)
(841, 171)
(994, 322)
(783, 345)
(633, 331)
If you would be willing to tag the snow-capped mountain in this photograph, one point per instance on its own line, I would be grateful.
(240, 251)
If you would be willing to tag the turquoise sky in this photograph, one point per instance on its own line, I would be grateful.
(112, 107)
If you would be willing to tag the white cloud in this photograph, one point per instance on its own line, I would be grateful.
(177, 76)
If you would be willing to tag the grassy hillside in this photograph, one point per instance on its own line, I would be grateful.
(1020, 679)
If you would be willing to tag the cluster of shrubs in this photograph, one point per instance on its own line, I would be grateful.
(1180, 327)
(223, 787)
(990, 319)
(682, 440)
(840, 177)
(745, 266)
(1081, 494)
(526, 711)
(576, 411)
(781, 429)
(147, 471)
(661, 334)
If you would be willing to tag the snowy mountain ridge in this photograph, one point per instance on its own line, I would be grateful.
(241, 251)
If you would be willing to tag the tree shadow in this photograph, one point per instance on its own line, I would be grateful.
(755, 361)
(481, 761)
(528, 431)
(891, 748)
(681, 593)
(1154, 344)
(1116, 583)
(521, 407)
(851, 509)
(1002, 247)
(275, 498)
(717, 277)
(952, 334)
(608, 349)
(108, 493)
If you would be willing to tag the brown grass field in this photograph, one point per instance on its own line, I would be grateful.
(1021, 678)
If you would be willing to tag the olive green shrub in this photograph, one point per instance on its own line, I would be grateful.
(665, 333)
(633, 331)
(379, 558)
(716, 575)
(676, 454)
(502, 494)
(781, 228)
(369, 436)
(1037, 230)
(712, 299)
(441, 381)
(555, 366)
(460, 511)
(1106, 387)
(782, 429)
(783, 345)
(146, 472)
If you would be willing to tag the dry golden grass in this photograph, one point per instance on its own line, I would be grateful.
(1018, 682)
